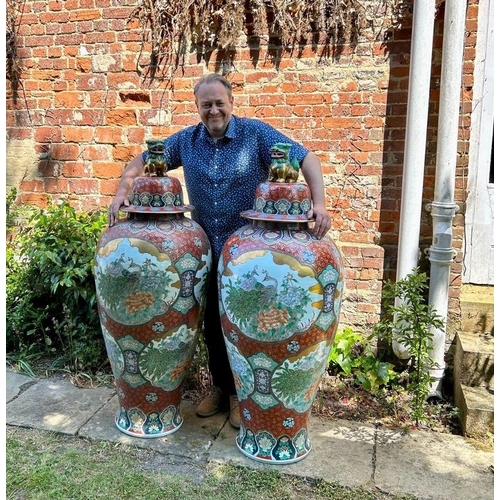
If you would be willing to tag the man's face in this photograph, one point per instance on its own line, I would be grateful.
(214, 107)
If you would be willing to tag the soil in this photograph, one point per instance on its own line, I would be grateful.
(339, 397)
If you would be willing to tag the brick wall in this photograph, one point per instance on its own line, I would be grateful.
(82, 112)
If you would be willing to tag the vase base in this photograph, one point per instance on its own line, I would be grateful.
(271, 460)
(136, 423)
(144, 435)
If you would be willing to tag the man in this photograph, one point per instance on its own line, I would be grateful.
(224, 159)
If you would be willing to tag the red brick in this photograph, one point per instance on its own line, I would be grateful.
(56, 185)
(100, 37)
(121, 117)
(59, 116)
(69, 39)
(342, 123)
(102, 99)
(63, 151)
(83, 186)
(126, 153)
(136, 135)
(109, 135)
(34, 185)
(37, 200)
(117, 12)
(19, 133)
(266, 99)
(107, 170)
(91, 117)
(82, 14)
(47, 18)
(93, 152)
(78, 134)
(69, 99)
(48, 134)
(83, 64)
(55, 5)
(76, 169)
(109, 188)
(307, 98)
(124, 80)
(90, 82)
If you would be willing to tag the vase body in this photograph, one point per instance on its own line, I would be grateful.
(279, 296)
(151, 272)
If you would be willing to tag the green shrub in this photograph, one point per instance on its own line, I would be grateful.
(51, 299)
(411, 320)
(351, 352)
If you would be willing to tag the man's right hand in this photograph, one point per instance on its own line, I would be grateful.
(116, 204)
(132, 170)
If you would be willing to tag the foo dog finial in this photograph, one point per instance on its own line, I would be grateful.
(155, 163)
(283, 169)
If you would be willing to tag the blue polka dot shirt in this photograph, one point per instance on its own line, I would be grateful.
(222, 176)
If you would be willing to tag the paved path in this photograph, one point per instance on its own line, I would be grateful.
(431, 466)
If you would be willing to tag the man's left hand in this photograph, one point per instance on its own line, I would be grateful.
(322, 221)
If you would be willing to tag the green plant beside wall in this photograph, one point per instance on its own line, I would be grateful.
(51, 300)
(352, 354)
(410, 318)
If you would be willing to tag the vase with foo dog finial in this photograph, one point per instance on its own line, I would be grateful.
(279, 295)
(151, 273)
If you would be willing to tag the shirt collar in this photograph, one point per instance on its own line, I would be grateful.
(230, 130)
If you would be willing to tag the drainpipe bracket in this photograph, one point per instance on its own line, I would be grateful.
(442, 256)
(442, 210)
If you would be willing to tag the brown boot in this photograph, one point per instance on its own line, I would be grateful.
(234, 412)
(212, 404)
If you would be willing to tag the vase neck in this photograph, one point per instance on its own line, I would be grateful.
(149, 216)
(280, 225)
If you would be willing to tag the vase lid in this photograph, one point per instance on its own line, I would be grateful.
(280, 202)
(156, 195)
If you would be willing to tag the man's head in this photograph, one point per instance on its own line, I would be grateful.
(214, 100)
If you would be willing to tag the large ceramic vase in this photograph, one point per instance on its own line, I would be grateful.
(151, 273)
(280, 292)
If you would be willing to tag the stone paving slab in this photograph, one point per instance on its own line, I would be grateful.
(341, 452)
(192, 440)
(15, 382)
(56, 405)
(433, 465)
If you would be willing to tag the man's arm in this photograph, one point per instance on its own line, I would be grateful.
(311, 168)
(132, 170)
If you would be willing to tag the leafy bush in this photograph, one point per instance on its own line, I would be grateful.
(351, 352)
(51, 299)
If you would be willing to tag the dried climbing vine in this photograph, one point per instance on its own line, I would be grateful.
(13, 64)
(172, 29)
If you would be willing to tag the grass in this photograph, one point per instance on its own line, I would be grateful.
(42, 465)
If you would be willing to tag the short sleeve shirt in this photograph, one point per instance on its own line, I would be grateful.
(222, 176)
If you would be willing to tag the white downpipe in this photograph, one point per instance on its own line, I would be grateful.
(415, 144)
(443, 208)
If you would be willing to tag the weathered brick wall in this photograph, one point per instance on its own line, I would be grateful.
(83, 111)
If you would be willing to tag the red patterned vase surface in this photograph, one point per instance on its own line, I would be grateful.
(151, 272)
(280, 293)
